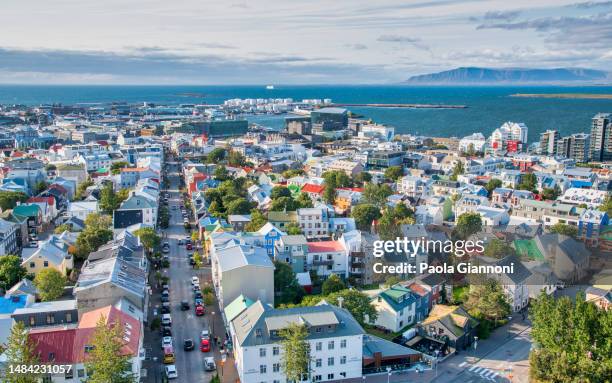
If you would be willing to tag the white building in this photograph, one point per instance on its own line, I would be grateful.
(314, 222)
(474, 141)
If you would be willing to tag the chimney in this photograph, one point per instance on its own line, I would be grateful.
(340, 300)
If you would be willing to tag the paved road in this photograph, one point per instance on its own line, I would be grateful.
(185, 324)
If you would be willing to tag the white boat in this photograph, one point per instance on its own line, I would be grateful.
(269, 87)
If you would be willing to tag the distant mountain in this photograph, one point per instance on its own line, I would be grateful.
(474, 75)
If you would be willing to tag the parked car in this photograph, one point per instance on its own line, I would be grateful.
(199, 302)
(184, 305)
(180, 242)
(171, 371)
(166, 342)
(199, 310)
(166, 320)
(166, 331)
(205, 345)
(169, 355)
(189, 246)
(188, 345)
(209, 364)
(195, 280)
(205, 334)
(165, 309)
(198, 295)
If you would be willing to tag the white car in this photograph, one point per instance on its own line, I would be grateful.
(166, 342)
(171, 371)
(209, 364)
(166, 320)
(205, 334)
(195, 280)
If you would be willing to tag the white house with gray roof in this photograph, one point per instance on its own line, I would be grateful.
(335, 338)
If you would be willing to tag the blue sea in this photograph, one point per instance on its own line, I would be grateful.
(488, 107)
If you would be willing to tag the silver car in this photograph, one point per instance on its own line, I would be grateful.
(209, 364)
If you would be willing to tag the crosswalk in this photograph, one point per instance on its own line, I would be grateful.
(484, 373)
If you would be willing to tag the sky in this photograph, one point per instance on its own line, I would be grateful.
(292, 42)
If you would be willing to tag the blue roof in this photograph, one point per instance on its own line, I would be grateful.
(9, 304)
(581, 184)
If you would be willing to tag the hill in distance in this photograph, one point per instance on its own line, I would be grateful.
(504, 76)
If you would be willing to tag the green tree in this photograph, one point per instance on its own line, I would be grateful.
(40, 187)
(393, 173)
(239, 206)
(216, 155)
(284, 204)
(486, 300)
(332, 284)
(11, 271)
(362, 178)
(50, 284)
(364, 214)
(551, 193)
(497, 248)
(109, 200)
(279, 191)
(107, 361)
(467, 225)
(117, 166)
(295, 359)
(388, 226)
(571, 341)
(235, 158)
(97, 232)
(258, 220)
(80, 192)
(356, 302)
(337, 178)
(607, 206)
(304, 201)
(221, 173)
(197, 259)
(9, 199)
(457, 171)
(292, 173)
(493, 184)
(401, 211)
(293, 229)
(20, 351)
(286, 287)
(62, 228)
(148, 237)
(330, 193)
(564, 229)
(376, 194)
(529, 181)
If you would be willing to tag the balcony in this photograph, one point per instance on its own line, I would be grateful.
(323, 262)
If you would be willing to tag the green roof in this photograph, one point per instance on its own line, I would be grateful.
(606, 233)
(26, 210)
(528, 249)
(237, 306)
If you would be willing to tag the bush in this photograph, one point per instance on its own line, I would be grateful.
(155, 323)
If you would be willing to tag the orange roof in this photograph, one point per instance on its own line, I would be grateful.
(312, 188)
(358, 190)
(325, 247)
(134, 169)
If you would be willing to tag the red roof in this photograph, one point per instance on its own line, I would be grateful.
(312, 188)
(418, 289)
(49, 200)
(325, 246)
(59, 187)
(67, 346)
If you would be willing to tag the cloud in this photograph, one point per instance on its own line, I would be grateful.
(501, 15)
(357, 47)
(416, 42)
(153, 65)
(592, 4)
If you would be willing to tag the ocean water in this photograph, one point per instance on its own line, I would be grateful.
(488, 107)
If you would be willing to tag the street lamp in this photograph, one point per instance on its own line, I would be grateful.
(388, 374)
(212, 320)
(437, 352)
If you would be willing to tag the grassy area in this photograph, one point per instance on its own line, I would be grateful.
(381, 334)
(527, 249)
(460, 293)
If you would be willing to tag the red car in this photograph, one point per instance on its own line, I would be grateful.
(205, 345)
(199, 310)
(189, 246)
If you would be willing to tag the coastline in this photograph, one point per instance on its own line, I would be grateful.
(572, 96)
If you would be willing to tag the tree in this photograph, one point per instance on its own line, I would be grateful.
(257, 221)
(337, 178)
(148, 237)
(376, 194)
(235, 158)
(96, 233)
(109, 200)
(332, 284)
(50, 284)
(295, 359)
(493, 184)
(284, 204)
(362, 178)
(9, 199)
(457, 171)
(571, 340)
(117, 166)
(486, 300)
(197, 260)
(364, 215)
(286, 287)
(11, 271)
(20, 351)
(388, 228)
(497, 248)
(221, 173)
(529, 181)
(279, 191)
(392, 281)
(564, 229)
(607, 206)
(239, 206)
(304, 201)
(293, 229)
(106, 361)
(62, 228)
(401, 212)
(393, 173)
(356, 302)
(216, 155)
(330, 193)
(467, 225)
(551, 193)
(40, 187)
(80, 192)
(195, 236)
(292, 173)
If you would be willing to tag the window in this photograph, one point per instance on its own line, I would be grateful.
(69, 317)
(318, 329)
(81, 373)
(343, 343)
(330, 361)
(276, 367)
(262, 369)
(46, 264)
(343, 359)
(32, 321)
(275, 350)
(330, 376)
(317, 378)
(319, 346)
(262, 352)
(318, 363)
(69, 374)
(32, 265)
(50, 319)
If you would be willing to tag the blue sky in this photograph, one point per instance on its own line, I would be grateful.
(292, 42)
